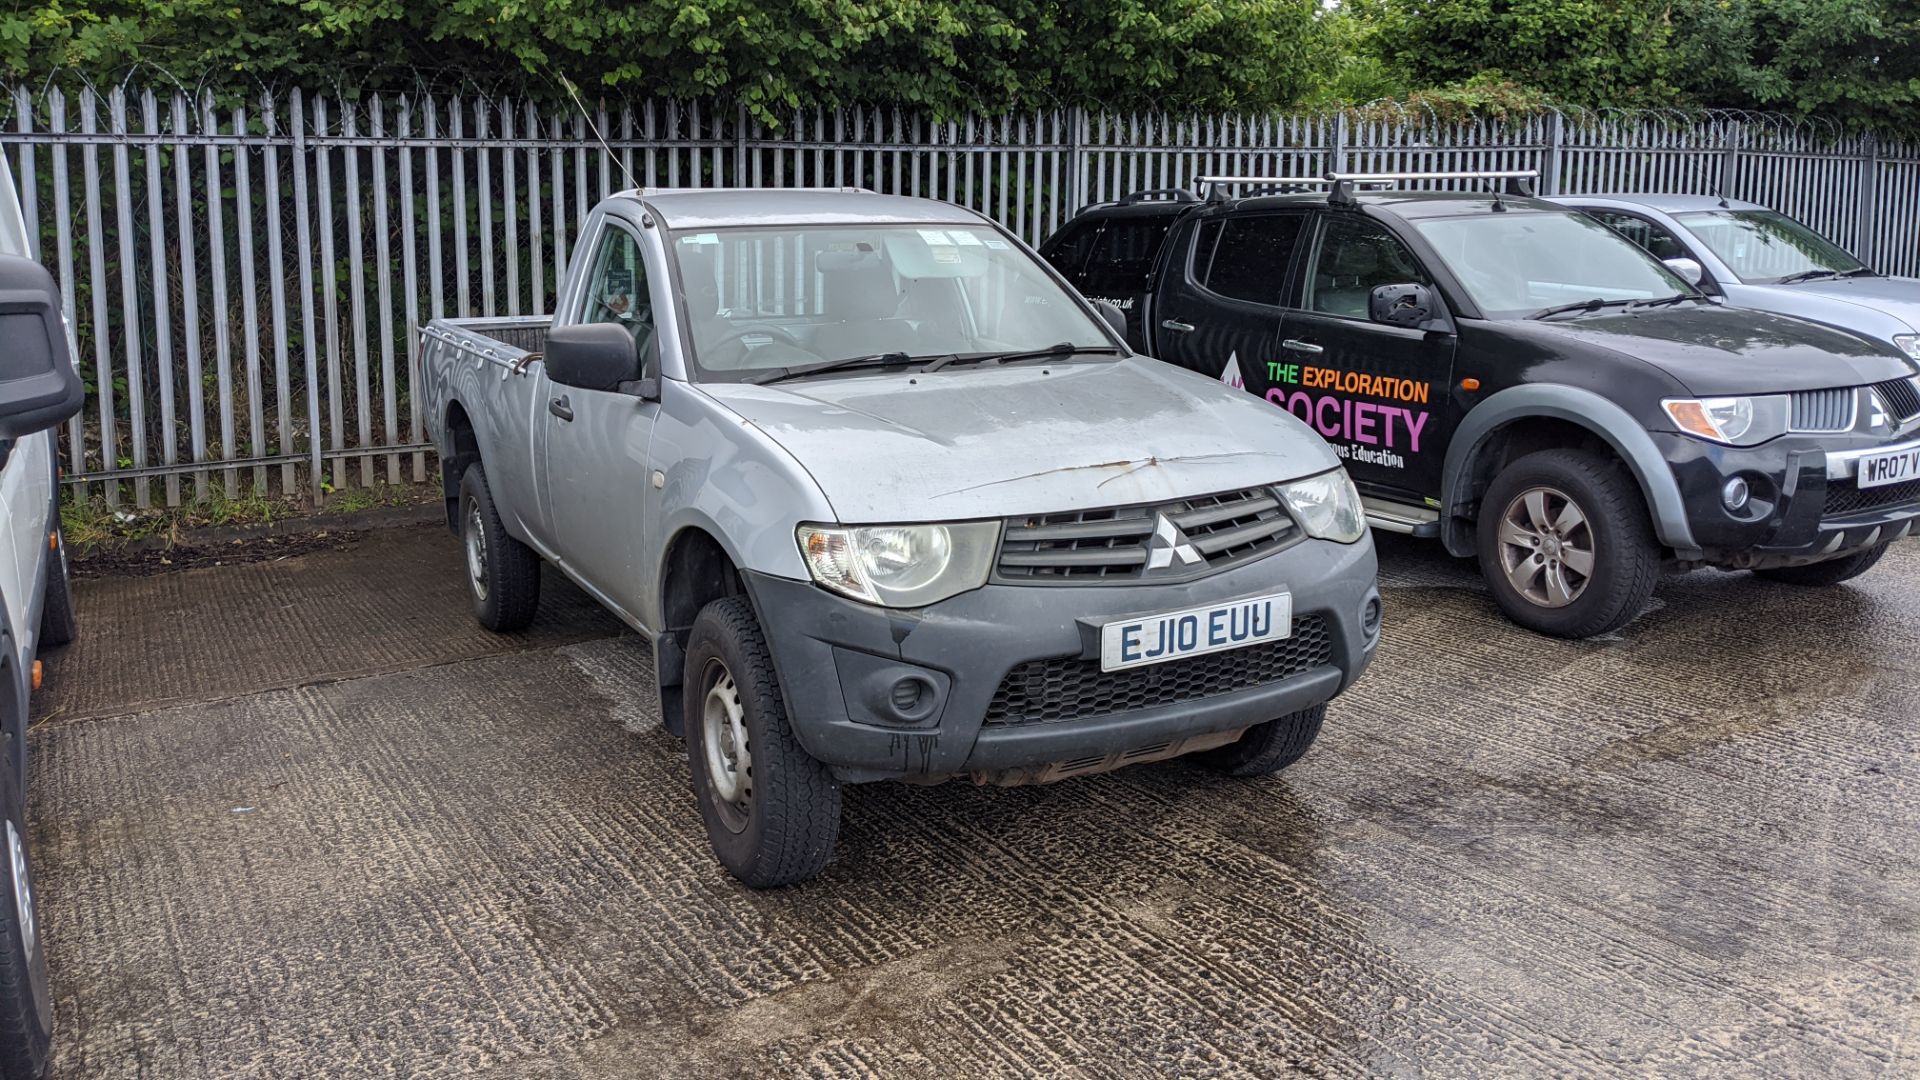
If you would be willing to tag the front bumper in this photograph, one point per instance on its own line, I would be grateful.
(1806, 506)
(840, 664)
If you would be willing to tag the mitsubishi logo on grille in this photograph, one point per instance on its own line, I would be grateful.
(1879, 418)
(1167, 544)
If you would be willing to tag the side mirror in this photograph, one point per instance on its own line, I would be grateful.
(38, 385)
(1407, 305)
(1116, 318)
(592, 356)
(1689, 270)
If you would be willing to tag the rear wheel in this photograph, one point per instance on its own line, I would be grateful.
(1566, 544)
(1831, 572)
(772, 811)
(58, 626)
(1267, 748)
(503, 574)
(26, 1009)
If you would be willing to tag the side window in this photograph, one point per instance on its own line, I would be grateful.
(1356, 256)
(1659, 242)
(1246, 258)
(617, 289)
(1122, 256)
(1067, 249)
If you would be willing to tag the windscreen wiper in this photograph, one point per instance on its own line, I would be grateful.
(1064, 348)
(1807, 275)
(1676, 298)
(1594, 304)
(871, 360)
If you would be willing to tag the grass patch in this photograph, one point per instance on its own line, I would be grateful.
(90, 524)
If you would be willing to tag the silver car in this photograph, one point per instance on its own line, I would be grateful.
(891, 502)
(1761, 258)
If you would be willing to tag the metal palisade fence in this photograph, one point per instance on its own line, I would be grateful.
(244, 281)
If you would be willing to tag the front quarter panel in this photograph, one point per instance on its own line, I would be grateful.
(714, 471)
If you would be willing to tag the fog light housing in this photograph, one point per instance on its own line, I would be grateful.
(1370, 615)
(1735, 494)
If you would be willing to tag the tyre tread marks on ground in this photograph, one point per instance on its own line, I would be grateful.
(513, 568)
(798, 808)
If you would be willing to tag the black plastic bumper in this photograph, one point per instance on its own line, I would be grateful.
(841, 664)
(1797, 514)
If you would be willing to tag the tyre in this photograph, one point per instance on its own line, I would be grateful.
(26, 1008)
(1566, 544)
(503, 574)
(1831, 572)
(1266, 748)
(58, 626)
(772, 812)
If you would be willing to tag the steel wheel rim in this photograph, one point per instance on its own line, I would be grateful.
(1546, 547)
(723, 739)
(476, 553)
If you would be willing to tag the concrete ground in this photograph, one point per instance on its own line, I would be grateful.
(302, 818)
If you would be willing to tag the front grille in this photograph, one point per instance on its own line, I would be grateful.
(1050, 691)
(1091, 547)
(1823, 410)
(1902, 397)
(1843, 497)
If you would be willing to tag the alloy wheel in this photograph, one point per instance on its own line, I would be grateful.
(1546, 547)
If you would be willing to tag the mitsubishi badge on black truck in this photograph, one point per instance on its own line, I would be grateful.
(891, 502)
(1522, 383)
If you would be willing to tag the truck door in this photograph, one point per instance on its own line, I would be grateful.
(1376, 392)
(1217, 306)
(594, 443)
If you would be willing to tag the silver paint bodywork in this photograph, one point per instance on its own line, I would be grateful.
(1874, 307)
(604, 496)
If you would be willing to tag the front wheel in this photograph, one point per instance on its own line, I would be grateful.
(1566, 544)
(1832, 572)
(772, 811)
(26, 1009)
(1267, 748)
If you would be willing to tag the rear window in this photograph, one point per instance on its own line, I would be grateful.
(1122, 257)
(1246, 258)
(1067, 249)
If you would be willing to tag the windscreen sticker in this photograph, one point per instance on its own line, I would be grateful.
(933, 237)
(964, 239)
(701, 238)
(945, 254)
(996, 243)
(1373, 432)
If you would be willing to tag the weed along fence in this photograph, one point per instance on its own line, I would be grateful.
(244, 278)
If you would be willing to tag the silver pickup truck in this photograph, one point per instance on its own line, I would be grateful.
(890, 501)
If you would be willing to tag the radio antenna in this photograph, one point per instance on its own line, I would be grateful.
(574, 93)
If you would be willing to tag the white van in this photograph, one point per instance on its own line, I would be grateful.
(39, 389)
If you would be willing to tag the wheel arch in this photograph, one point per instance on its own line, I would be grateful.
(1536, 417)
(460, 447)
(696, 568)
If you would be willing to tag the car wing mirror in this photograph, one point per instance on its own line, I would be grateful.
(1409, 305)
(1116, 318)
(38, 384)
(1689, 270)
(592, 356)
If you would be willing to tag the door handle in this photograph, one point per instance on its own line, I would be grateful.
(1301, 346)
(1176, 324)
(561, 408)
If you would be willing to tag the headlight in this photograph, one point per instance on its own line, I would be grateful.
(1327, 506)
(900, 565)
(1909, 344)
(1736, 421)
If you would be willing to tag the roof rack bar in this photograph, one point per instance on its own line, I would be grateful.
(1490, 174)
(1177, 194)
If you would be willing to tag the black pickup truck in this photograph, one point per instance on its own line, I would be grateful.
(1515, 379)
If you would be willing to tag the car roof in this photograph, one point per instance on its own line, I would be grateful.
(1668, 204)
(1406, 204)
(712, 208)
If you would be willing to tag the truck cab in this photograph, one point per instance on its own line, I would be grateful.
(1521, 383)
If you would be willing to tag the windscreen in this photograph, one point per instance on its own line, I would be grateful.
(758, 299)
(1765, 246)
(1515, 264)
